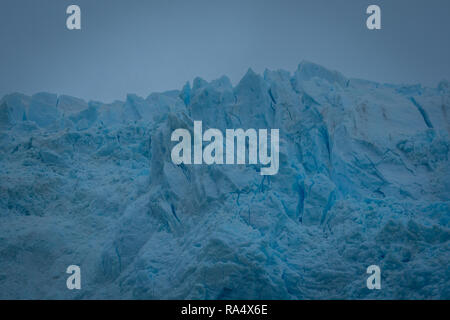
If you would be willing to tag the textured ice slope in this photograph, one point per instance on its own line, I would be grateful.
(364, 179)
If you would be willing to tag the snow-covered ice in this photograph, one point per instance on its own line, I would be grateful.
(364, 179)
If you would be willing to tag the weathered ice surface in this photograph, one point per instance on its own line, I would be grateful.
(364, 179)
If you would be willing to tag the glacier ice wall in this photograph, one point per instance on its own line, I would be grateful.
(364, 179)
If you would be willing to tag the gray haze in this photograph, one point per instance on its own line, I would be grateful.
(133, 46)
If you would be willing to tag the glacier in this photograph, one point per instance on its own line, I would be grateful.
(364, 179)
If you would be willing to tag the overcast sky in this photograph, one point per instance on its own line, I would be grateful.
(137, 46)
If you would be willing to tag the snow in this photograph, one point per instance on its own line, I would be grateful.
(364, 179)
